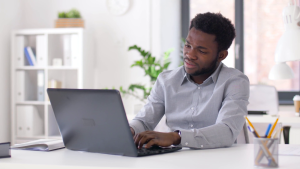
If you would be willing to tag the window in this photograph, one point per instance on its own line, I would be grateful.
(263, 26)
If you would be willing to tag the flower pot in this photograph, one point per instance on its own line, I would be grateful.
(69, 23)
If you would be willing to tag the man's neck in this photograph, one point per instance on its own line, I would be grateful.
(201, 78)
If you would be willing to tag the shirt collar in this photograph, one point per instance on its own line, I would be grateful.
(213, 76)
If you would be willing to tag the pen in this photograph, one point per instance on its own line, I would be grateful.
(277, 132)
(252, 126)
(252, 131)
(273, 127)
(268, 129)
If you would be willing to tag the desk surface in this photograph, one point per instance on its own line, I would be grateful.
(235, 157)
(286, 118)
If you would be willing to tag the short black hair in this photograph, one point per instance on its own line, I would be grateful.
(215, 24)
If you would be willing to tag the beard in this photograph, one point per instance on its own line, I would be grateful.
(210, 69)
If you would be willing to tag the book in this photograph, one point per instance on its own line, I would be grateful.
(19, 53)
(30, 56)
(41, 145)
(20, 86)
(67, 50)
(5, 150)
(29, 121)
(40, 90)
(41, 50)
(75, 50)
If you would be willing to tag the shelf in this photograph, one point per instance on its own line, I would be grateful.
(30, 68)
(31, 103)
(29, 82)
(48, 31)
(33, 137)
(54, 137)
(49, 68)
(61, 68)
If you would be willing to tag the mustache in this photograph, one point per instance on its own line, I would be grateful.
(189, 61)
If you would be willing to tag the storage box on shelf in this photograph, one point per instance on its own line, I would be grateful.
(33, 72)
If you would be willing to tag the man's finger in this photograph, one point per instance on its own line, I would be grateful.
(143, 140)
(132, 131)
(151, 143)
(137, 139)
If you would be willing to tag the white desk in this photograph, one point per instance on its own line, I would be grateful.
(235, 157)
(285, 117)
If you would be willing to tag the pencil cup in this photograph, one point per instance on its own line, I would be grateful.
(266, 152)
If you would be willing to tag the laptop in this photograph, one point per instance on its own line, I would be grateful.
(95, 121)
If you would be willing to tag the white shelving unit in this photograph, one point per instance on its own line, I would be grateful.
(63, 43)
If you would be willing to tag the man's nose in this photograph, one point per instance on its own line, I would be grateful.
(191, 54)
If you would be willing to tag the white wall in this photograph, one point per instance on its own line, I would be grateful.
(152, 24)
(10, 12)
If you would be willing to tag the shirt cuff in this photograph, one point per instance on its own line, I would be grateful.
(188, 139)
(137, 126)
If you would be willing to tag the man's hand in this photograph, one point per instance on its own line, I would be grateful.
(132, 131)
(156, 138)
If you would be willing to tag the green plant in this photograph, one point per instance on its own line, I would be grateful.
(152, 68)
(62, 15)
(73, 13)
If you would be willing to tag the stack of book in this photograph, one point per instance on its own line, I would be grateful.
(41, 145)
(5, 150)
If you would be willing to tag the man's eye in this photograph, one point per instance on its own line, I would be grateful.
(202, 51)
(186, 45)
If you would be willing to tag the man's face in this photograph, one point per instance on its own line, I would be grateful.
(200, 53)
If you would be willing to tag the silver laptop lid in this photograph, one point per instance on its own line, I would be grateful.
(92, 120)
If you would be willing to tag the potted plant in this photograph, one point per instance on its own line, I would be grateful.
(69, 19)
(152, 68)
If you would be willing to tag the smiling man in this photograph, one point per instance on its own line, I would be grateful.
(204, 101)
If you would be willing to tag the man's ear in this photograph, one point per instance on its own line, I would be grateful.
(222, 55)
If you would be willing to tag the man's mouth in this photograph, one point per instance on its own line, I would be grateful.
(189, 64)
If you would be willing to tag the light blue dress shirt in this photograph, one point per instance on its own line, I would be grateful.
(209, 115)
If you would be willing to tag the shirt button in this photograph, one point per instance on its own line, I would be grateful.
(198, 87)
(192, 108)
(191, 125)
(186, 143)
(201, 146)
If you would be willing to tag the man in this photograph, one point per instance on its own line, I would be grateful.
(204, 101)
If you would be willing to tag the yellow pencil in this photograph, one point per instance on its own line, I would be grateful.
(277, 132)
(252, 126)
(273, 127)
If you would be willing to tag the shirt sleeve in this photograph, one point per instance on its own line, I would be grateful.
(149, 116)
(229, 122)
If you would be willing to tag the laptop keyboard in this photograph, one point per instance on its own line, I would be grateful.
(156, 150)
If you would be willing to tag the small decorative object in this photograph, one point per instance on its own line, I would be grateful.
(117, 7)
(69, 19)
(57, 62)
(296, 100)
(54, 83)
